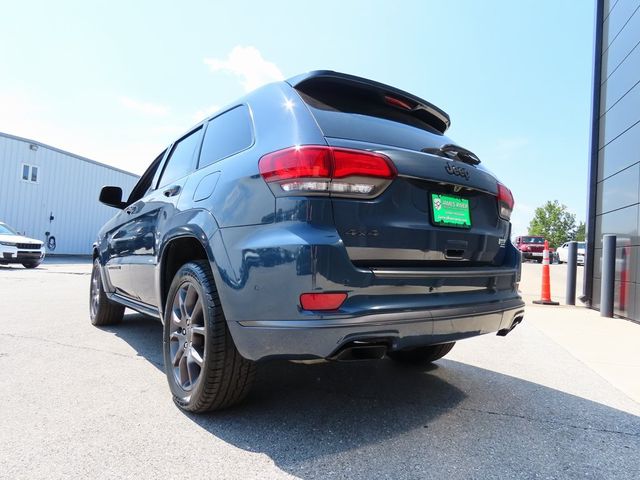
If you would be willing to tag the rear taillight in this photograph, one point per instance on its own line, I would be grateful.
(315, 169)
(505, 201)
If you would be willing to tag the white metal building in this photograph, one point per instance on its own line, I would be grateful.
(52, 195)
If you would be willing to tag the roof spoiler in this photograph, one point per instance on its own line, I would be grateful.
(440, 117)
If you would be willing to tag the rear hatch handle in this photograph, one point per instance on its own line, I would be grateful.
(454, 152)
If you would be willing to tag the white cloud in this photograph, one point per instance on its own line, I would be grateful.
(248, 64)
(205, 112)
(146, 108)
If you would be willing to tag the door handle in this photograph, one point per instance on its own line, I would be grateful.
(172, 191)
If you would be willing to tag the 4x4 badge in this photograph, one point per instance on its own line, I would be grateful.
(454, 170)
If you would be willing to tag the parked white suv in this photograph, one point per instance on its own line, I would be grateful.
(563, 253)
(15, 248)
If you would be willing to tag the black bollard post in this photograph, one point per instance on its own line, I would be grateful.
(572, 267)
(608, 275)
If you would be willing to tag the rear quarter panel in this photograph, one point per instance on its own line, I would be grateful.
(241, 197)
(241, 204)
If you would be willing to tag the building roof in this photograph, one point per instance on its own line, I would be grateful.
(79, 157)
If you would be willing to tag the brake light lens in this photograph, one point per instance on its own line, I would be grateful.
(296, 163)
(505, 201)
(348, 163)
(396, 102)
(323, 169)
(322, 301)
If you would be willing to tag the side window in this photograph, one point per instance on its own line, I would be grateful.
(180, 161)
(226, 134)
(144, 185)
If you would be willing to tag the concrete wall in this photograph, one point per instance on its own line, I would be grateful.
(617, 169)
(67, 187)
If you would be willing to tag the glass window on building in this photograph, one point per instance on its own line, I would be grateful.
(30, 173)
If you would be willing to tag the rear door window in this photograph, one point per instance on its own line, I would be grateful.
(181, 158)
(226, 135)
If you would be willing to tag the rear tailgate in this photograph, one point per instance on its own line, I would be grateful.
(411, 224)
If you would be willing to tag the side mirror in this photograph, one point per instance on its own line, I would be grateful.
(112, 196)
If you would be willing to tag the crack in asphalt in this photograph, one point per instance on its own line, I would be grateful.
(552, 422)
(334, 392)
(81, 347)
(73, 273)
(491, 412)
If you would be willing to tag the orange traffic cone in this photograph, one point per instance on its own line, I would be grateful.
(546, 280)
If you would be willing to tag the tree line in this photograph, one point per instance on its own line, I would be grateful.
(555, 223)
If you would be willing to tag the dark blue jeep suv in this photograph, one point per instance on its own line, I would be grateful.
(323, 217)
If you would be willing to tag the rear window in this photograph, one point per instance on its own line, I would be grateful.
(226, 135)
(533, 240)
(356, 112)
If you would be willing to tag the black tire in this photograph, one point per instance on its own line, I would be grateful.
(538, 260)
(102, 311)
(31, 264)
(422, 355)
(198, 343)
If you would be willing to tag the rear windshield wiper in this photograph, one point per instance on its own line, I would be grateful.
(454, 152)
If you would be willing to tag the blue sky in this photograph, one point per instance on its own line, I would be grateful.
(117, 81)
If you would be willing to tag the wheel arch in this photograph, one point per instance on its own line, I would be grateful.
(175, 253)
(197, 239)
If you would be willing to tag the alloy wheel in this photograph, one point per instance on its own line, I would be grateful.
(95, 291)
(187, 337)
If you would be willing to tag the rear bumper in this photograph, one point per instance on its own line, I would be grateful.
(261, 274)
(309, 339)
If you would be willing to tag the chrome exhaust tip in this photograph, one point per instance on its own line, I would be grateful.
(360, 351)
(517, 320)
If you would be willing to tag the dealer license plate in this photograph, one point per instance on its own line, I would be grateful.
(450, 211)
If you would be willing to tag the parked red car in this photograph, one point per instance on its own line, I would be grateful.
(531, 248)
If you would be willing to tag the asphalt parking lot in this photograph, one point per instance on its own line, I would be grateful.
(83, 402)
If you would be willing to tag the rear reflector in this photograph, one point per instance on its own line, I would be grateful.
(505, 201)
(322, 301)
(315, 168)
